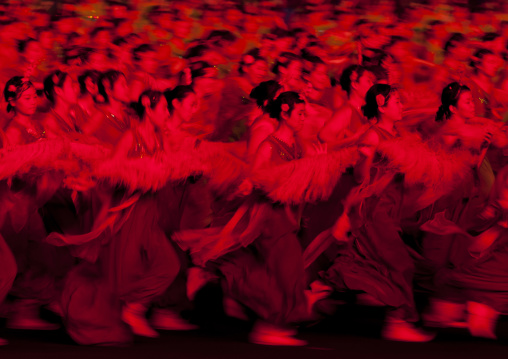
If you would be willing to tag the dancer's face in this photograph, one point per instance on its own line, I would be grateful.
(465, 106)
(69, 91)
(148, 62)
(319, 77)
(187, 107)
(297, 118)
(293, 70)
(120, 90)
(393, 108)
(490, 64)
(26, 103)
(257, 72)
(364, 83)
(160, 114)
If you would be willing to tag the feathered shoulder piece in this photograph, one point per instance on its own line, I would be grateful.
(183, 157)
(89, 153)
(223, 163)
(421, 163)
(43, 155)
(149, 173)
(305, 180)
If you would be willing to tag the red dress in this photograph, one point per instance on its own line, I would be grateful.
(8, 262)
(39, 264)
(267, 276)
(135, 264)
(378, 262)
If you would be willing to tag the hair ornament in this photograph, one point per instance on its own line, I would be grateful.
(285, 107)
(354, 76)
(145, 101)
(12, 88)
(55, 79)
(248, 59)
(380, 100)
(283, 60)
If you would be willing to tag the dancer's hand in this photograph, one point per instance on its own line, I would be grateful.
(320, 148)
(341, 228)
(245, 188)
(79, 184)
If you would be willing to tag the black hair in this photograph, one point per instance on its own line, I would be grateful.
(280, 33)
(249, 58)
(289, 98)
(371, 108)
(98, 29)
(490, 36)
(350, 75)
(77, 55)
(264, 92)
(196, 51)
(394, 40)
(151, 95)
(219, 37)
(178, 93)
(70, 37)
(23, 44)
(42, 29)
(478, 56)
(449, 97)
(453, 40)
(141, 49)
(312, 60)
(198, 68)
(284, 61)
(111, 77)
(14, 88)
(119, 41)
(55, 79)
(94, 75)
(298, 30)
(111, 3)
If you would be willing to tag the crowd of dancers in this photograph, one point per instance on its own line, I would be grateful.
(288, 153)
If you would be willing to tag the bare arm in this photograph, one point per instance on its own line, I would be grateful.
(122, 149)
(259, 133)
(12, 137)
(263, 155)
(367, 149)
(94, 123)
(336, 126)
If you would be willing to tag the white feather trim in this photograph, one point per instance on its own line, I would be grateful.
(305, 180)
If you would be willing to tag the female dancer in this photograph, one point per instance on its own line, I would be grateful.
(378, 262)
(348, 120)
(21, 97)
(22, 228)
(89, 91)
(489, 101)
(288, 71)
(473, 292)
(261, 264)
(64, 118)
(114, 117)
(235, 105)
(134, 262)
(263, 125)
(459, 133)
